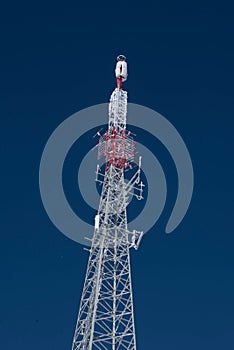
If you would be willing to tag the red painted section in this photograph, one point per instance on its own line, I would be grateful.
(118, 149)
(119, 83)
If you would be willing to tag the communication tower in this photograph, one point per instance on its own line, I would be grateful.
(106, 313)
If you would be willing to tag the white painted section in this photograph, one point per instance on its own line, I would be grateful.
(97, 219)
(121, 70)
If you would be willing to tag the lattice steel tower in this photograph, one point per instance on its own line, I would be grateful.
(106, 315)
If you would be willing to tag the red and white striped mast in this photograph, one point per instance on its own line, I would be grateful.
(106, 314)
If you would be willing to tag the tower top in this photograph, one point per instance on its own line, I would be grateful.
(121, 71)
(121, 58)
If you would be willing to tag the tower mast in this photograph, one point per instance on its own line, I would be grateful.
(106, 315)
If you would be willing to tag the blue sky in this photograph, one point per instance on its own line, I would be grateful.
(57, 59)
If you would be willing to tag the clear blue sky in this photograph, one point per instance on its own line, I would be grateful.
(57, 59)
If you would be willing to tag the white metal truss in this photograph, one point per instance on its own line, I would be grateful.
(118, 109)
(106, 317)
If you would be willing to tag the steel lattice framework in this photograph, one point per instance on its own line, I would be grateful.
(106, 317)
